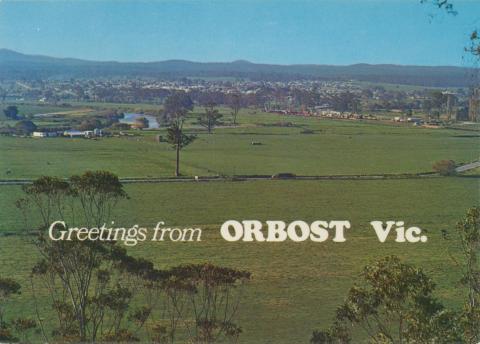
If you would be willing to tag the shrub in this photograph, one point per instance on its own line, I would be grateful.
(445, 167)
(25, 127)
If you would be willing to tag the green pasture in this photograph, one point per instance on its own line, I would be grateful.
(304, 146)
(295, 286)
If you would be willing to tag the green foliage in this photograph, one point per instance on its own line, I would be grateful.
(445, 167)
(98, 183)
(94, 192)
(25, 127)
(176, 107)
(79, 276)
(178, 139)
(6, 335)
(210, 118)
(98, 192)
(92, 284)
(337, 334)
(207, 296)
(397, 305)
(121, 336)
(19, 326)
(90, 124)
(8, 287)
(11, 112)
(439, 99)
(48, 195)
(120, 126)
(91, 295)
(23, 327)
(469, 231)
(159, 334)
(176, 136)
(393, 305)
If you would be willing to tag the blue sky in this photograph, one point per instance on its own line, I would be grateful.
(286, 32)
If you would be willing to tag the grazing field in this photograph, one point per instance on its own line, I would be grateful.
(295, 286)
(304, 146)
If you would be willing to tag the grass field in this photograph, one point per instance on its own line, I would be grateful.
(334, 147)
(296, 286)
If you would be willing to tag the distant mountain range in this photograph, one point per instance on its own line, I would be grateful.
(15, 65)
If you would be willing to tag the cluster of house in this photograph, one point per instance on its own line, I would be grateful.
(343, 115)
(325, 113)
(414, 120)
(70, 133)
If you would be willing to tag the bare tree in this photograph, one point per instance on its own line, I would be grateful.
(235, 103)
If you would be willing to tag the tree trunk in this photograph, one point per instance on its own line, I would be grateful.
(177, 168)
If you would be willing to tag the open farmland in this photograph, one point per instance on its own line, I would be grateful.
(240, 172)
(304, 146)
(294, 286)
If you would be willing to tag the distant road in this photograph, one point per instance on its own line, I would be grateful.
(250, 178)
(132, 180)
(467, 167)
